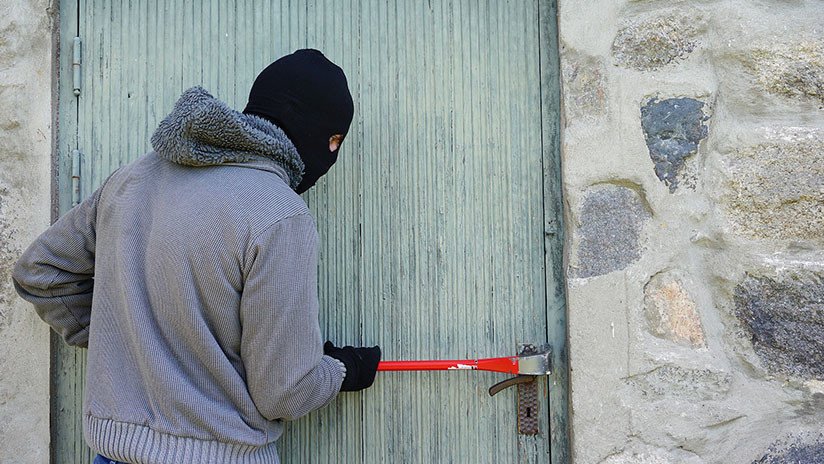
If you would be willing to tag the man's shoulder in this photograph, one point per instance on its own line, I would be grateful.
(257, 197)
(265, 192)
(236, 193)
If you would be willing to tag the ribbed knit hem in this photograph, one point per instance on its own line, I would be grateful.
(342, 367)
(137, 443)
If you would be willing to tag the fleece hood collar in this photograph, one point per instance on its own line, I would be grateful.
(203, 131)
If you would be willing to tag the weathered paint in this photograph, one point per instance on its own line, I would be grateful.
(68, 365)
(440, 224)
(554, 238)
(464, 366)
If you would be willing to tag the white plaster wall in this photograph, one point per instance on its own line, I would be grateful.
(26, 77)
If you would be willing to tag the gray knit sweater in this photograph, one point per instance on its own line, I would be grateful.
(192, 276)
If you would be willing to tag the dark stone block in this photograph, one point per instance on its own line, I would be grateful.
(793, 453)
(673, 128)
(785, 320)
(611, 221)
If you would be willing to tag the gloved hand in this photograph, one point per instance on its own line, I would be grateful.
(361, 364)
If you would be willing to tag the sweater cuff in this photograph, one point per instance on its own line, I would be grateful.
(339, 367)
(342, 366)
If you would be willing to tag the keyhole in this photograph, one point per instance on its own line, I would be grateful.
(528, 412)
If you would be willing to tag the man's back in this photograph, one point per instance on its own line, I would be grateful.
(204, 332)
(171, 252)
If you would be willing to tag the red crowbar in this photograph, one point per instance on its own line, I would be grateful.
(531, 364)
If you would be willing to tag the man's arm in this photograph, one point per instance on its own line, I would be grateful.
(282, 351)
(56, 272)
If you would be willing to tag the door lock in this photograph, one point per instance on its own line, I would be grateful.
(528, 406)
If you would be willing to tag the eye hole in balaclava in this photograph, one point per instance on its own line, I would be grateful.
(335, 141)
(308, 97)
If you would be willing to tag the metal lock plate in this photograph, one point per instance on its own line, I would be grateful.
(528, 407)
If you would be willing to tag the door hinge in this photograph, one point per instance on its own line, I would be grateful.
(76, 159)
(76, 66)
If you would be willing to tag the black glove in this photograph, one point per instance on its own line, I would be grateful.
(361, 364)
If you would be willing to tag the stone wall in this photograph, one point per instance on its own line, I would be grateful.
(693, 164)
(25, 164)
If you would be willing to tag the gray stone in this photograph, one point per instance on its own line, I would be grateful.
(671, 312)
(796, 452)
(638, 452)
(775, 190)
(792, 70)
(680, 383)
(655, 43)
(584, 93)
(636, 458)
(612, 218)
(784, 318)
(673, 128)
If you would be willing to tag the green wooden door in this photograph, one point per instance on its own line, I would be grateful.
(440, 224)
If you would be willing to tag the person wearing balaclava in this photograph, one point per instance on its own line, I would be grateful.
(307, 96)
(191, 276)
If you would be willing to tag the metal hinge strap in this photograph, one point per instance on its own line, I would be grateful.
(76, 159)
(76, 66)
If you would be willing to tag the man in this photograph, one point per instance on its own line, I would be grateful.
(191, 275)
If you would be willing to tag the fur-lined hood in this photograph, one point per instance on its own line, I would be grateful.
(203, 131)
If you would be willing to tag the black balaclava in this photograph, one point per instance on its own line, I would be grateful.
(307, 96)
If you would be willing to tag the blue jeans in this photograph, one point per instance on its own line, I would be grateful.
(101, 460)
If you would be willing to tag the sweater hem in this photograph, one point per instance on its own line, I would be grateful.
(124, 441)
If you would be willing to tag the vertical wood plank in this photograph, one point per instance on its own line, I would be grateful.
(67, 364)
(554, 230)
(335, 203)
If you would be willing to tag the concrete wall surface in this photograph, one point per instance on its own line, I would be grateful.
(693, 154)
(25, 177)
